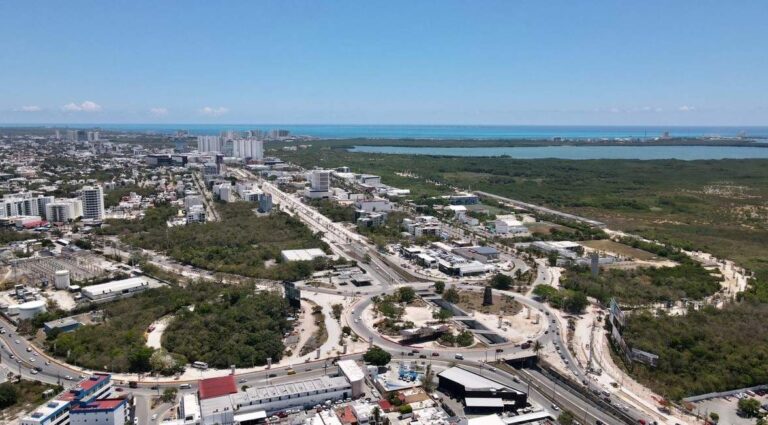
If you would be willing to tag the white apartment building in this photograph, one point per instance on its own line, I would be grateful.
(24, 204)
(209, 144)
(93, 202)
(63, 210)
(248, 148)
(319, 184)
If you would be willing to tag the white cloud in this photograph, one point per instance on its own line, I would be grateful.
(686, 108)
(214, 112)
(159, 112)
(30, 108)
(86, 106)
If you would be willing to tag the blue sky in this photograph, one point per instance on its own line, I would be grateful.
(410, 62)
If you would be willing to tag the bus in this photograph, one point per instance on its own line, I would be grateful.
(200, 365)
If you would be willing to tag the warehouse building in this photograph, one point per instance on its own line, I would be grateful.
(302, 254)
(480, 394)
(117, 289)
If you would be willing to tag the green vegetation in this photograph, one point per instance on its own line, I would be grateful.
(7, 236)
(241, 243)
(749, 407)
(501, 281)
(389, 232)
(239, 327)
(451, 295)
(566, 418)
(224, 317)
(334, 211)
(715, 206)
(377, 356)
(439, 287)
(564, 299)
(22, 395)
(406, 294)
(645, 285)
(9, 395)
(463, 339)
(113, 197)
(169, 395)
(703, 351)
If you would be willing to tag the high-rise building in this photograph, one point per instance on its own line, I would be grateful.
(319, 184)
(63, 210)
(93, 202)
(248, 148)
(23, 204)
(92, 136)
(208, 143)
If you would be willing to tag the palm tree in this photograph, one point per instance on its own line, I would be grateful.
(537, 347)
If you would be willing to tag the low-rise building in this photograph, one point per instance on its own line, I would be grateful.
(302, 254)
(116, 289)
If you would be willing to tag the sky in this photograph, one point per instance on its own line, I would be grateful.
(622, 62)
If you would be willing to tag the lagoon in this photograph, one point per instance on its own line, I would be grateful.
(685, 153)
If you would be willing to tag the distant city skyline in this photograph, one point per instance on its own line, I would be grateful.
(433, 62)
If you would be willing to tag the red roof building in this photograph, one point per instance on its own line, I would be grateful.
(217, 387)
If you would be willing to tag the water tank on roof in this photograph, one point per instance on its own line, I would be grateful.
(61, 279)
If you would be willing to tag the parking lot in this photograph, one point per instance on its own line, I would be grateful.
(726, 407)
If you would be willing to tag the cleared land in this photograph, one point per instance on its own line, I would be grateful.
(608, 245)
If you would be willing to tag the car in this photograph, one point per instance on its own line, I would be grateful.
(68, 378)
(546, 332)
(119, 389)
(47, 362)
(154, 387)
(17, 341)
(32, 359)
(241, 381)
(154, 416)
(136, 421)
(29, 349)
(435, 354)
(410, 354)
(423, 356)
(458, 356)
(12, 357)
(555, 408)
(33, 371)
(499, 350)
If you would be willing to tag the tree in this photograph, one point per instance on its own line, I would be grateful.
(501, 281)
(405, 409)
(377, 356)
(169, 395)
(346, 330)
(714, 417)
(465, 339)
(439, 287)
(337, 309)
(566, 418)
(552, 259)
(406, 294)
(442, 315)
(537, 347)
(139, 359)
(749, 407)
(9, 395)
(575, 303)
(451, 295)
